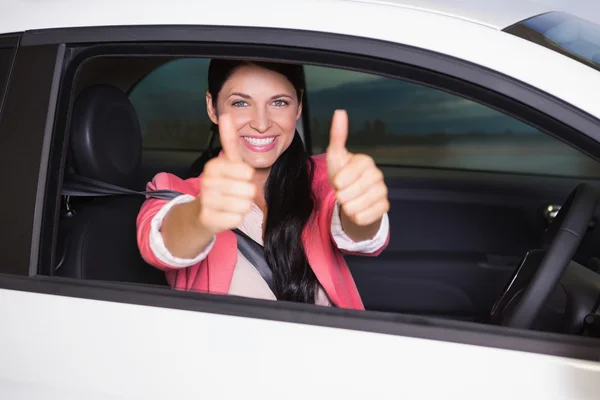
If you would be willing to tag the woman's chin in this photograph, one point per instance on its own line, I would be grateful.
(260, 161)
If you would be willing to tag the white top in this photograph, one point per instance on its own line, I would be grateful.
(246, 280)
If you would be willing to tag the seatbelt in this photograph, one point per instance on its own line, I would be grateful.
(255, 254)
(79, 186)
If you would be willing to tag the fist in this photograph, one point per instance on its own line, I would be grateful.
(226, 190)
(358, 183)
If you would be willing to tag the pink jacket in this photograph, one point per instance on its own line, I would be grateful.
(214, 273)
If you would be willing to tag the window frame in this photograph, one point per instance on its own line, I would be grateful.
(10, 42)
(46, 152)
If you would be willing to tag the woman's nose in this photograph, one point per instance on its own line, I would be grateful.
(260, 120)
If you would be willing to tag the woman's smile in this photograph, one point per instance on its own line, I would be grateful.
(260, 144)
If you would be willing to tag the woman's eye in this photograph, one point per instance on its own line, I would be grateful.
(239, 103)
(280, 103)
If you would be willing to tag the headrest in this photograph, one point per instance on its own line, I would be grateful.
(105, 139)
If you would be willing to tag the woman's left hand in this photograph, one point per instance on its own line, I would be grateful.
(358, 184)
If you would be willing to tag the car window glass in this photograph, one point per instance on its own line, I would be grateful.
(171, 106)
(400, 123)
(563, 33)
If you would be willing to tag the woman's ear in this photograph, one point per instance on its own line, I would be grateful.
(210, 109)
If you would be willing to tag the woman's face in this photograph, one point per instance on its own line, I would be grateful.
(264, 108)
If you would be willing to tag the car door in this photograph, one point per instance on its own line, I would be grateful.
(68, 338)
(471, 190)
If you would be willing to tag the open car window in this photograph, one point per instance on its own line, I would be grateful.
(401, 123)
(171, 107)
(398, 123)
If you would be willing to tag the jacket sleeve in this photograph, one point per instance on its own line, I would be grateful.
(149, 221)
(346, 244)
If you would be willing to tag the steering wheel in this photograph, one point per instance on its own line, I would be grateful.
(540, 270)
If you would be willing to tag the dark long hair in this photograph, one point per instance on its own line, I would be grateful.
(288, 193)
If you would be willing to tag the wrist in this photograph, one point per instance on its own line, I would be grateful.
(358, 233)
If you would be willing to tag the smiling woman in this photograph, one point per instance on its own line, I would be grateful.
(305, 210)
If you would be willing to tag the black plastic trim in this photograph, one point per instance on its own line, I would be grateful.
(379, 322)
(10, 40)
(24, 129)
(44, 183)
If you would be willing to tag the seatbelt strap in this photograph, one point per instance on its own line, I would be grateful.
(79, 186)
(255, 254)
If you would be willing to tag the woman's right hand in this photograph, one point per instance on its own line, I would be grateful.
(226, 195)
(226, 192)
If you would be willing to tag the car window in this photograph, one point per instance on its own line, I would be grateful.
(563, 33)
(400, 123)
(171, 106)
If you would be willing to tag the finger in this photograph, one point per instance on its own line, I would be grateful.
(367, 181)
(365, 200)
(337, 155)
(230, 187)
(372, 214)
(223, 203)
(229, 138)
(338, 134)
(223, 168)
(357, 165)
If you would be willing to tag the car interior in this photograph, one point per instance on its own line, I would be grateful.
(493, 247)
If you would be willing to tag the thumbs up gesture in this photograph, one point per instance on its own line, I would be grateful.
(358, 183)
(227, 191)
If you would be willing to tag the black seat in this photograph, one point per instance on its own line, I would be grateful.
(97, 236)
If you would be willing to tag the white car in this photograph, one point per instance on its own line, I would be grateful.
(484, 116)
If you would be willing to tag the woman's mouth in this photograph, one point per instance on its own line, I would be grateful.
(260, 144)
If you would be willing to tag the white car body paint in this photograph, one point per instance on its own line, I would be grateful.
(55, 347)
(111, 351)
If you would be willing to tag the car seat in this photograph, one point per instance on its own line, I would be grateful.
(97, 235)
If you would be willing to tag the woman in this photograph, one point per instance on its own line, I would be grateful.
(311, 208)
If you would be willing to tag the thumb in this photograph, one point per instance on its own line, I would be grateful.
(337, 154)
(229, 138)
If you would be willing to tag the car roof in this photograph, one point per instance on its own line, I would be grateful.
(497, 14)
(464, 33)
(22, 15)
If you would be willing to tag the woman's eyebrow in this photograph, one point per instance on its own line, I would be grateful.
(242, 95)
(281, 95)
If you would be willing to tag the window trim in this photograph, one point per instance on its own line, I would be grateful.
(581, 128)
(8, 42)
(26, 128)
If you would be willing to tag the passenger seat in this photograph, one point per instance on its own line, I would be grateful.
(97, 236)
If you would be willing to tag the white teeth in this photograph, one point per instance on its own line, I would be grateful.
(259, 142)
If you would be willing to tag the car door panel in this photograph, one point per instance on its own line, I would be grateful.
(456, 238)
